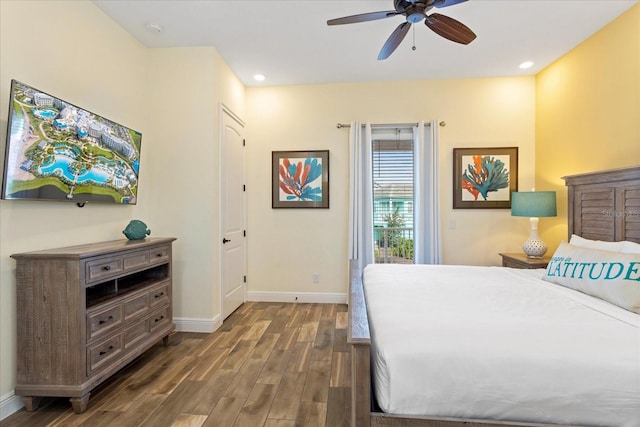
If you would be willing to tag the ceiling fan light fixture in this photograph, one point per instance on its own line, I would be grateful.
(416, 15)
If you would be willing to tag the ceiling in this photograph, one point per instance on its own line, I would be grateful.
(289, 41)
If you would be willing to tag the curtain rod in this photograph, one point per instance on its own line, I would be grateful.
(346, 125)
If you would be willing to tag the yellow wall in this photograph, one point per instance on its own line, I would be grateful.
(286, 246)
(72, 50)
(588, 112)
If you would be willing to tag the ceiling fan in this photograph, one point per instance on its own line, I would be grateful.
(414, 11)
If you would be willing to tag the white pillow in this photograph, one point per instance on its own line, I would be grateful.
(611, 276)
(623, 246)
(596, 244)
(631, 247)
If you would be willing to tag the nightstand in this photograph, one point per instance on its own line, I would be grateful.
(520, 260)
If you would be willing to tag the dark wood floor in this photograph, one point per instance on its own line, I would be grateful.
(270, 364)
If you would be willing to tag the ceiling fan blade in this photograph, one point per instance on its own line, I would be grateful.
(363, 17)
(446, 3)
(450, 28)
(394, 40)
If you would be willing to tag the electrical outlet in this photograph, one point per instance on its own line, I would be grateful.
(316, 277)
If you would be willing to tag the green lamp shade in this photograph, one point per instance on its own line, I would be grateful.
(533, 203)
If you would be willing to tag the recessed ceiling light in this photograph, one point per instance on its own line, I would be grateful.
(259, 77)
(526, 64)
(154, 27)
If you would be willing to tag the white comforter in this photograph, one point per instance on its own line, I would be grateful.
(499, 343)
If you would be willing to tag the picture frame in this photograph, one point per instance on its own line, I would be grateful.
(300, 179)
(484, 178)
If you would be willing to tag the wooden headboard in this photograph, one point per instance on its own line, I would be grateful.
(605, 205)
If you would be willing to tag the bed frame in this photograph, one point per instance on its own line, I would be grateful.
(601, 206)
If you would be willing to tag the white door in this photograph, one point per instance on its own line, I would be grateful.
(233, 214)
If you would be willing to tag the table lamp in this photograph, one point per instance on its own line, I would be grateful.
(533, 204)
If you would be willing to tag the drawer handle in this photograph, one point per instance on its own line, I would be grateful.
(103, 352)
(159, 254)
(158, 295)
(103, 321)
(159, 319)
(106, 268)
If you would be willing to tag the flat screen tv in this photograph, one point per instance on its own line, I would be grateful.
(58, 151)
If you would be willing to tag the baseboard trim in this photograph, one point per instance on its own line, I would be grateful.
(9, 403)
(188, 324)
(304, 297)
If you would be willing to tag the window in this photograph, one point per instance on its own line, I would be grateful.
(392, 172)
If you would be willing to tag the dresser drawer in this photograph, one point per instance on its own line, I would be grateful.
(136, 333)
(102, 268)
(159, 295)
(103, 320)
(136, 305)
(135, 260)
(99, 355)
(159, 255)
(159, 319)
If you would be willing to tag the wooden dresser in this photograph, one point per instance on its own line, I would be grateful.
(86, 311)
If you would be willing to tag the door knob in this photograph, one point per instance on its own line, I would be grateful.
(225, 240)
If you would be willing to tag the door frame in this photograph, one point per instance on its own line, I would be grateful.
(221, 170)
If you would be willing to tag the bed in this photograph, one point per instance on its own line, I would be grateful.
(557, 337)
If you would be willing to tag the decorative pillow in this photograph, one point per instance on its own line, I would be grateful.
(596, 244)
(611, 276)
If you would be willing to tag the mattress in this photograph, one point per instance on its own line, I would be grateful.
(501, 344)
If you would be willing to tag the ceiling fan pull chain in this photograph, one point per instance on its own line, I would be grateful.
(414, 39)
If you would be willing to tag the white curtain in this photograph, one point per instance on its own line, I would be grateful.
(360, 195)
(427, 239)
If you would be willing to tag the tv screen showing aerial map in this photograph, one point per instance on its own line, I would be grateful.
(57, 151)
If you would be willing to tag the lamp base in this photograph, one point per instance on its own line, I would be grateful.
(534, 247)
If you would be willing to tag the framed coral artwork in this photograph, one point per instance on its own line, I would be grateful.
(484, 178)
(300, 179)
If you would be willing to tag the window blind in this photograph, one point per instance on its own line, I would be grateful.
(392, 175)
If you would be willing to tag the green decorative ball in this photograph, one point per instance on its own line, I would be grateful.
(136, 230)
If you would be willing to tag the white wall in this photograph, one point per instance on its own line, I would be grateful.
(173, 96)
(287, 246)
